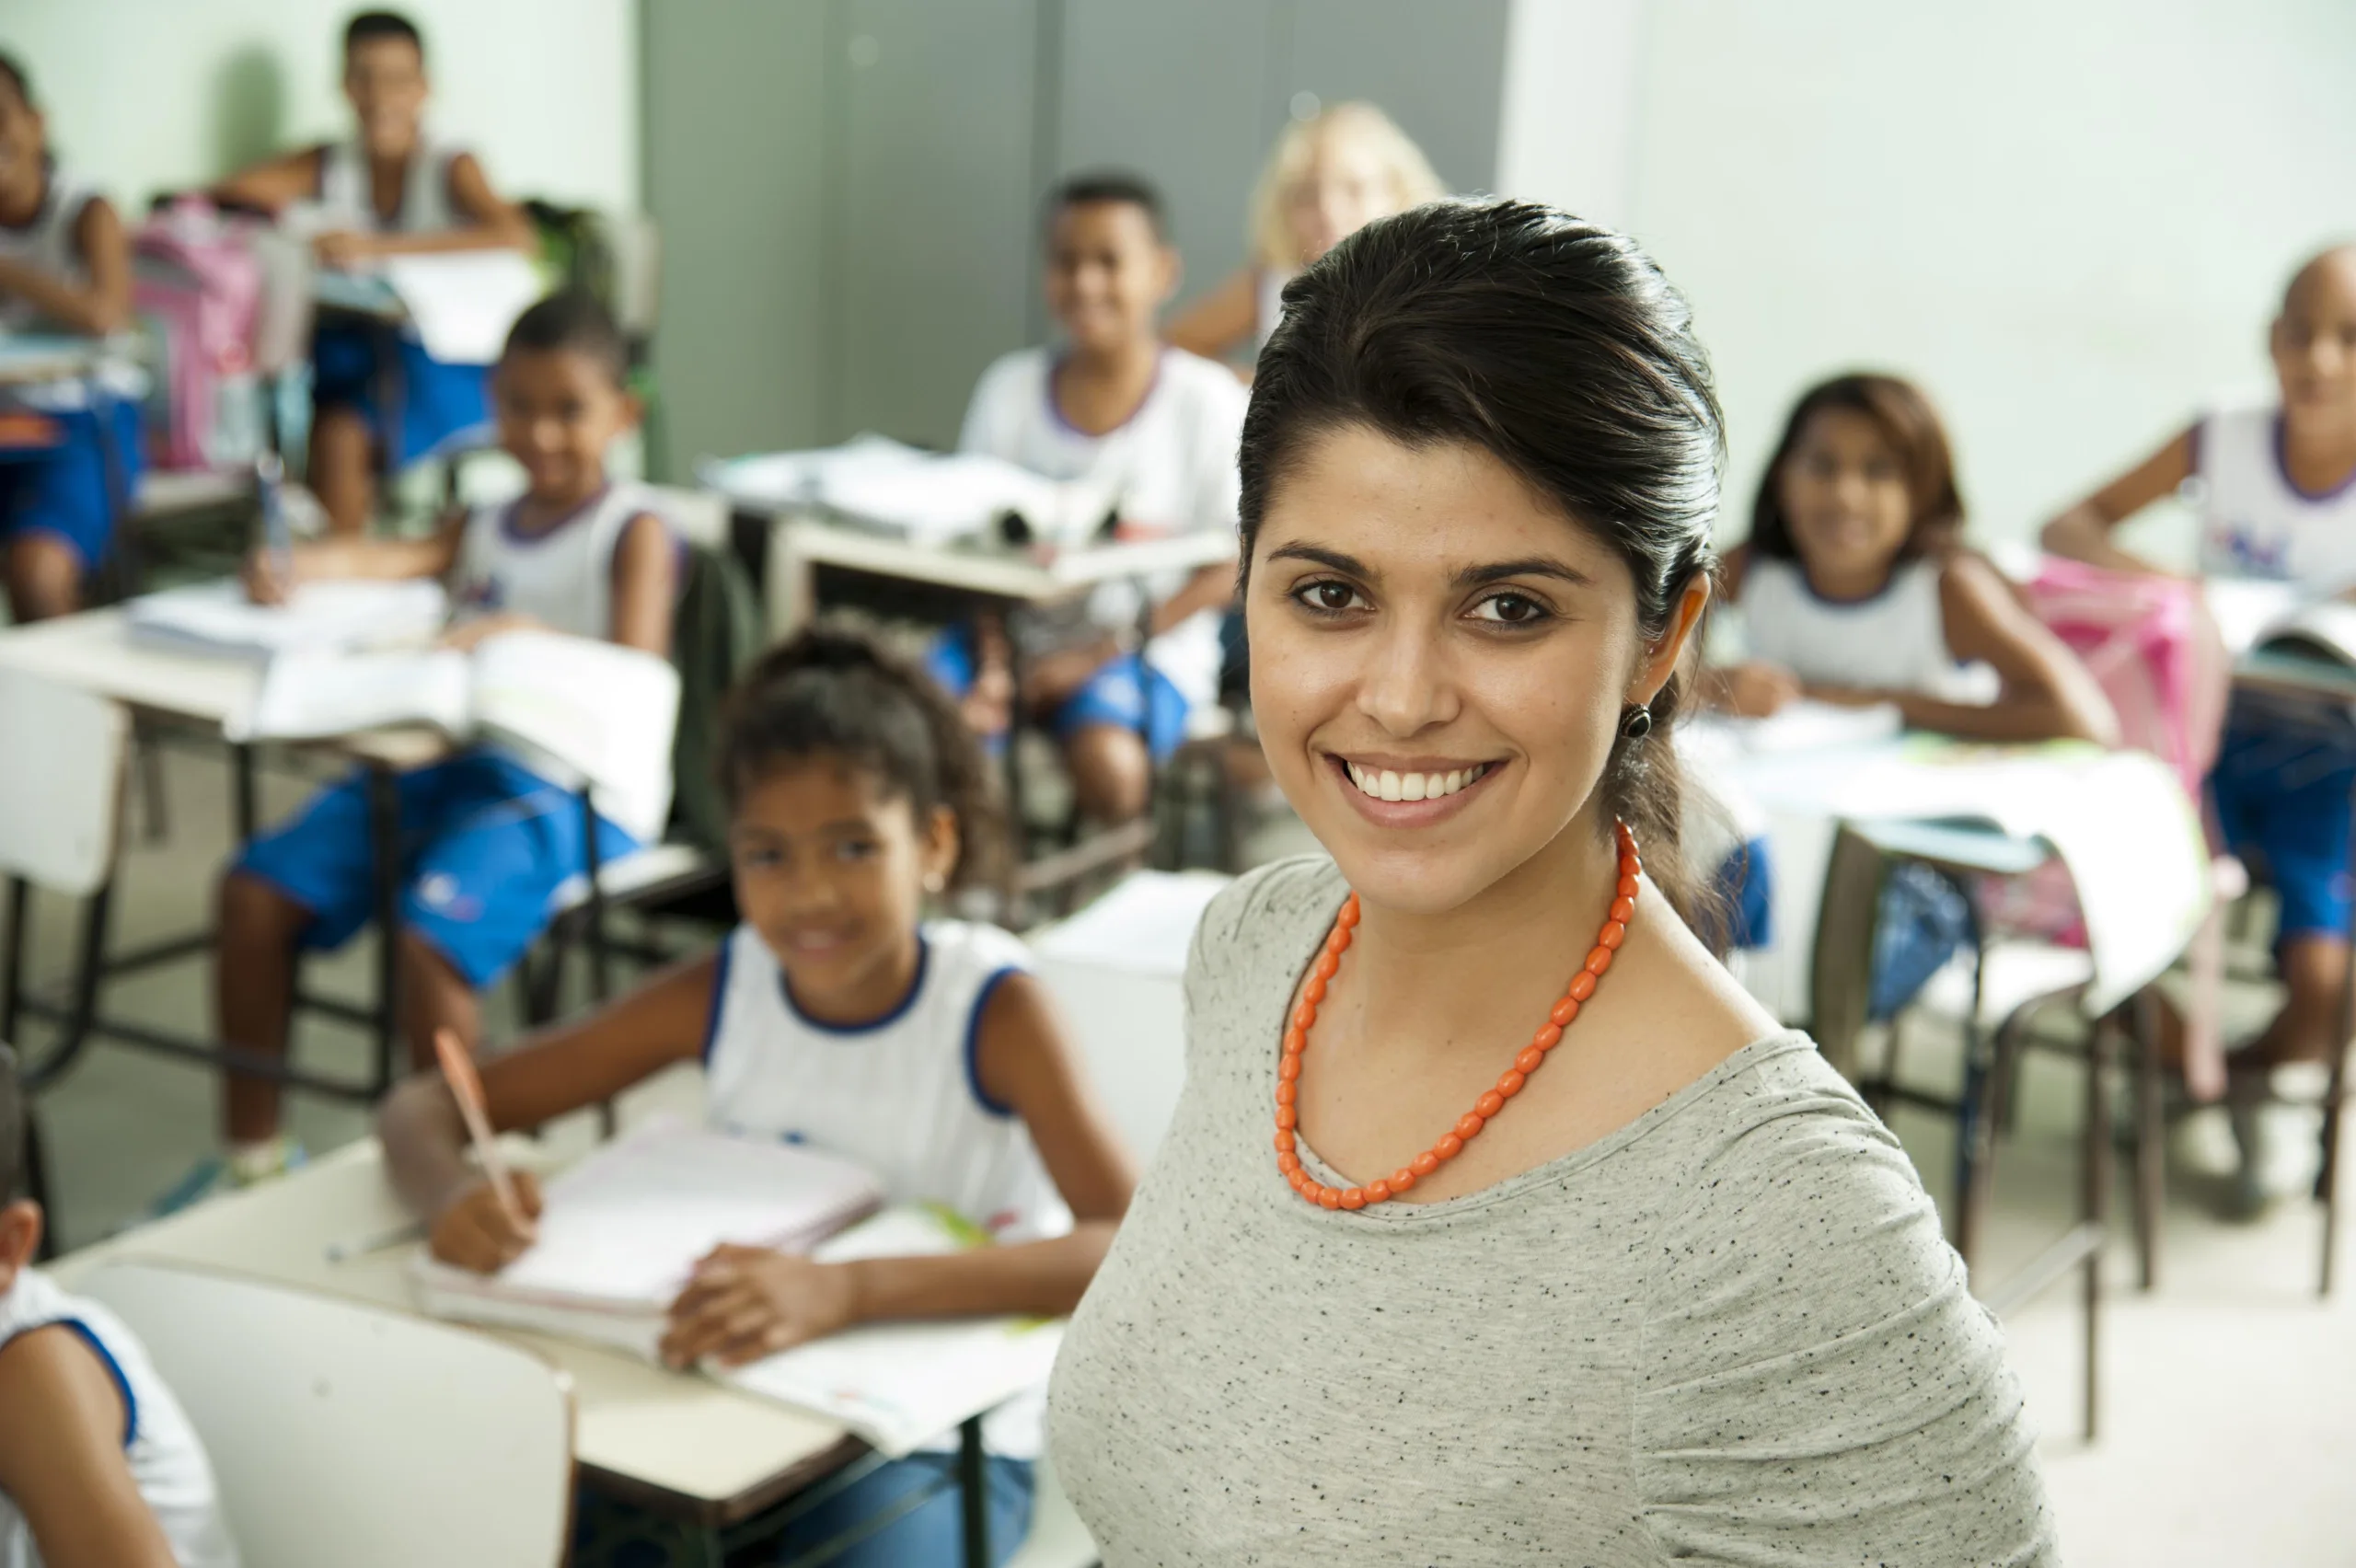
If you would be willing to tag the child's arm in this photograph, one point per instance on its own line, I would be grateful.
(329, 560)
(102, 306)
(2048, 694)
(1215, 323)
(61, 1455)
(2083, 533)
(559, 1070)
(274, 185)
(492, 222)
(746, 1303)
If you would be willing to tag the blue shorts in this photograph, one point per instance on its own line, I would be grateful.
(1745, 883)
(437, 400)
(485, 844)
(620, 1535)
(77, 488)
(1127, 693)
(2282, 798)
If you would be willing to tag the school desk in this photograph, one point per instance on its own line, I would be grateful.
(94, 652)
(721, 1463)
(2326, 688)
(986, 576)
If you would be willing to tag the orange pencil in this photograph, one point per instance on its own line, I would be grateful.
(466, 1088)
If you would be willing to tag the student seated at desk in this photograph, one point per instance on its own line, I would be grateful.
(1156, 428)
(389, 191)
(921, 1049)
(489, 837)
(99, 1465)
(2277, 499)
(69, 453)
(1854, 589)
(1328, 177)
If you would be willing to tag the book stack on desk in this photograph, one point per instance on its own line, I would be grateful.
(621, 1232)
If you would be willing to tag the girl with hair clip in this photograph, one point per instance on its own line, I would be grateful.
(1856, 588)
(838, 1015)
(1495, 1222)
(1328, 176)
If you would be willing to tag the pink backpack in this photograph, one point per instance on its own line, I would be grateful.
(199, 286)
(2151, 644)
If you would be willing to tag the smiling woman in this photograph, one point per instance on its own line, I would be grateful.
(1595, 1265)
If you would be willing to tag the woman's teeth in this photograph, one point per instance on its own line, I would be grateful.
(1383, 784)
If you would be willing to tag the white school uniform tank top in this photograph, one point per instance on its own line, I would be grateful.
(1171, 465)
(564, 578)
(2254, 521)
(348, 196)
(899, 1096)
(168, 1462)
(1896, 641)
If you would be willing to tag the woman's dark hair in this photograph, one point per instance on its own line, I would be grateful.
(1912, 427)
(1557, 347)
(835, 693)
(12, 71)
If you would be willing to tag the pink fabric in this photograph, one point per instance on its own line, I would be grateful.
(199, 284)
(2152, 646)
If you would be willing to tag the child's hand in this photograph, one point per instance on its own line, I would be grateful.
(1756, 690)
(1845, 696)
(1056, 677)
(270, 576)
(748, 1302)
(343, 247)
(476, 1232)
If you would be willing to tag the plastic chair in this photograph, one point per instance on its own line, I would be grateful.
(348, 1434)
(58, 827)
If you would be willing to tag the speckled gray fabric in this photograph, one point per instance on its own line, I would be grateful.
(1729, 1333)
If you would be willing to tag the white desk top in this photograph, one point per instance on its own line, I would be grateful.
(34, 360)
(996, 571)
(677, 1432)
(95, 651)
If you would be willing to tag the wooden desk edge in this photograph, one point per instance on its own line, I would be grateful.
(718, 1512)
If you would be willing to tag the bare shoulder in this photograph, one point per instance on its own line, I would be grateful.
(1695, 1014)
(53, 1374)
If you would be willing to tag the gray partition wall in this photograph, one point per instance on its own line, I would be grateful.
(848, 189)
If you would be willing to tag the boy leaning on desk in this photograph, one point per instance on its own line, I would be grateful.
(488, 838)
(391, 191)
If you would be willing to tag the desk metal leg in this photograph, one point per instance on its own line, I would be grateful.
(12, 961)
(2335, 1088)
(2151, 1140)
(973, 1487)
(384, 824)
(2093, 1155)
(242, 800)
(1018, 715)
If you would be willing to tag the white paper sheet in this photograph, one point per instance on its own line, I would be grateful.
(463, 302)
(217, 617)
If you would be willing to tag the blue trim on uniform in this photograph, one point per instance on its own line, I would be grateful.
(2283, 467)
(1054, 409)
(899, 1008)
(515, 533)
(114, 1369)
(719, 998)
(974, 1041)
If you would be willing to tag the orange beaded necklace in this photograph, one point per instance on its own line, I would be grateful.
(1304, 1018)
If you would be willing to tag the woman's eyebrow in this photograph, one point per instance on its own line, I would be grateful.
(1318, 555)
(1531, 566)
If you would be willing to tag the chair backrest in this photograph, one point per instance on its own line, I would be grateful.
(59, 799)
(718, 631)
(345, 1434)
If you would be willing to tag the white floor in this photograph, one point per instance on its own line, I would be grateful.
(2229, 1405)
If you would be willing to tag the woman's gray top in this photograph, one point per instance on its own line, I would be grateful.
(1729, 1331)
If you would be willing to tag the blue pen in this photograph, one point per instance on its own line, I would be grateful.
(277, 539)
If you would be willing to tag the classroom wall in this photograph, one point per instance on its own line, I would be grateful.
(152, 95)
(2072, 223)
(849, 188)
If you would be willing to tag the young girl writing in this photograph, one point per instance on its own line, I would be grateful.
(1494, 1212)
(1855, 591)
(69, 449)
(1328, 176)
(836, 1014)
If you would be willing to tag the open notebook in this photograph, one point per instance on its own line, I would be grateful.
(575, 707)
(622, 1230)
(217, 617)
